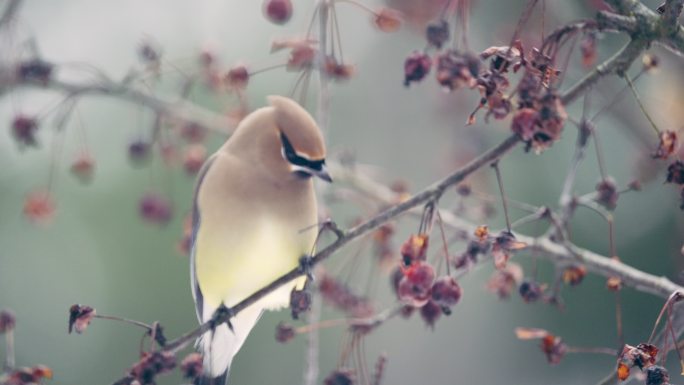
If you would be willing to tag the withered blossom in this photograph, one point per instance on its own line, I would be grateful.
(642, 356)
(191, 366)
(80, 317)
(284, 332)
(237, 77)
(457, 69)
(531, 291)
(505, 244)
(607, 193)
(27, 376)
(574, 275)
(151, 365)
(675, 172)
(552, 346)
(300, 302)
(340, 296)
(668, 145)
(387, 19)
(416, 67)
(24, 128)
(504, 281)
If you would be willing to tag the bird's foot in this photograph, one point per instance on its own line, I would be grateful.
(306, 264)
(221, 315)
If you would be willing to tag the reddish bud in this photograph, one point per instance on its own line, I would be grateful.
(416, 67)
(278, 11)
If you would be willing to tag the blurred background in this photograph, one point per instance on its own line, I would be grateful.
(96, 250)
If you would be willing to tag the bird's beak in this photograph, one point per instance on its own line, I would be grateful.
(323, 174)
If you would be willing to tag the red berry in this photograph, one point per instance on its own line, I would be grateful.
(446, 292)
(278, 11)
(420, 273)
(155, 208)
(411, 294)
(430, 313)
(416, 67)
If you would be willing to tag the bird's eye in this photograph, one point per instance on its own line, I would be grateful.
(293, 158)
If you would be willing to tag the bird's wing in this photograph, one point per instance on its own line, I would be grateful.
(196, 292)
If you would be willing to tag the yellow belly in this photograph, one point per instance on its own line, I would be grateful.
(232, 263)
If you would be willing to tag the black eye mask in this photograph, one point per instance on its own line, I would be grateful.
(292, 157)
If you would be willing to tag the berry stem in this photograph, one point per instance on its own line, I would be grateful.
(641, 105)
(444, 242)
(495, 165)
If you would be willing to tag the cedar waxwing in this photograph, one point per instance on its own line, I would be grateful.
(253, 212)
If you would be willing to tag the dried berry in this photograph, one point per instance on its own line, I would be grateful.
(430, 313)
(340, 377)
(83, 167)
(416, 67)
(284, 333)
(531, 291)
(614, 283)
(607, 193)
(446, 292)
(504, 281)
(588, 49)
(554, 348)
(151, 365)
(155, 208)
(278, 11)
(339, 295)
(27, 376)
(139, 151)
(80, 317)
(437, 33)
(193, 132)
(338, 71)
(300, 302)
(675, 172)
(24, 130)
(237, 77)
(387, 20)
(657, 375)
(194, 158)
(574, 275)
(504, 244)
(191, 366)
(7, 321)
(39, 207)
(457, 70)
(642, 356)
(667, 146)
(36, 70)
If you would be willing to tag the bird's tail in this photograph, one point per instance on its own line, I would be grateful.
(219, 346)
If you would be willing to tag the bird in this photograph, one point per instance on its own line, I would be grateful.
(253, 212)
